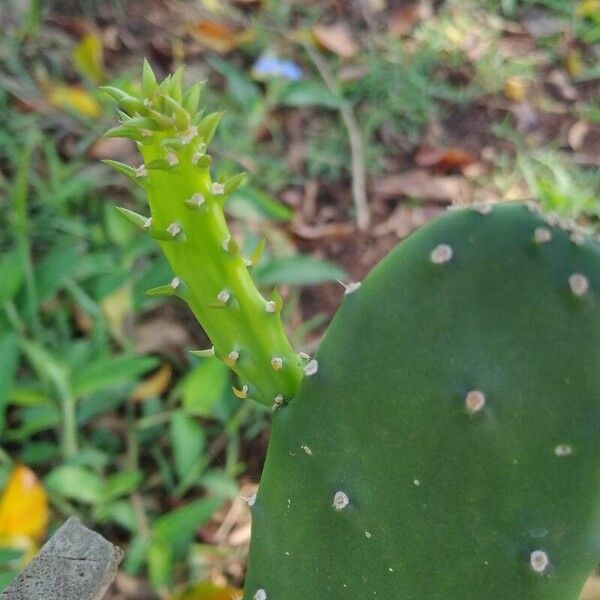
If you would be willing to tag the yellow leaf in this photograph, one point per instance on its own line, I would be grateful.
(208, 591)
(87, 57)
(588, 8)
(154, 385)
(117, 309)
(75, 98)
(23, 506)
(220, 37)
(574, 61)
(516, 89)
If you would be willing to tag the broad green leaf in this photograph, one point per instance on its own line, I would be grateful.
(120, 484)
(249, 204)
(75, 483)
(47, 365)
(109, 371)
(160, 565)
(297, 270)
(120, 512)
(204, 390)
(52, 271)
(177, 528)
(308, 93)
(187, 442)
(35, 419)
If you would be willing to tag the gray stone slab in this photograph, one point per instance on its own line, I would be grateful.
(75, 564)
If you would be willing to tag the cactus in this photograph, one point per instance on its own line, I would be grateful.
(186, 218)
(447, 447)
(445, 443)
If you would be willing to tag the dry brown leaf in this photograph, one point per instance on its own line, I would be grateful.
(161, 335)
(577, 134)
(561, 81)
(336, 38)
(403, 19)
(444, 160)
(121, 149)
(422, 185)
(218, 36)
(154, 385)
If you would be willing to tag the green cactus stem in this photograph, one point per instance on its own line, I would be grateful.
(447, 447)
(187, 220)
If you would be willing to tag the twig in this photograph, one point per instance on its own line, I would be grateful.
(357, 153)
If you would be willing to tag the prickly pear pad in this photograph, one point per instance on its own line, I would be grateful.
(448, 446)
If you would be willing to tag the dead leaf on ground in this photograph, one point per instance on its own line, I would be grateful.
(562, 83)
(422, 185)
(404, 18)
(87, 57)
(163, 336)
(208, 591)
(155, 385)
(336, 38)
(405, 219)
(516, 88)
(444, 160)
(577, 134)
(121, 149)
(117, 308)
(328, 230)
(74, 98)
(23, 507)
(219, 36)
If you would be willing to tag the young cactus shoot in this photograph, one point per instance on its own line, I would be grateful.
(187, 220)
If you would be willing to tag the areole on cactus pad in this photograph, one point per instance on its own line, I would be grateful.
(446, 445)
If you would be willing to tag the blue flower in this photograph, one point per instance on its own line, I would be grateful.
(269, 65)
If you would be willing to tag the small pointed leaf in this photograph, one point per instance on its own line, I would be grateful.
(208, 126)
(134, 218)
(149, 83)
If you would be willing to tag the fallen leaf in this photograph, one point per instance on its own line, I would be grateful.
(161, 335)
(121, 149)
(208, 591)
(154, 385)
(23, 507)
(588, 8)
(420, 184)
(74, 98)
(220, 37)
(574, 62)
(577, 134)
(561, 81)
(444, 160)
(87, 58)
(516, 88)
(117, 309)
(403, 19)
(336, 38)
